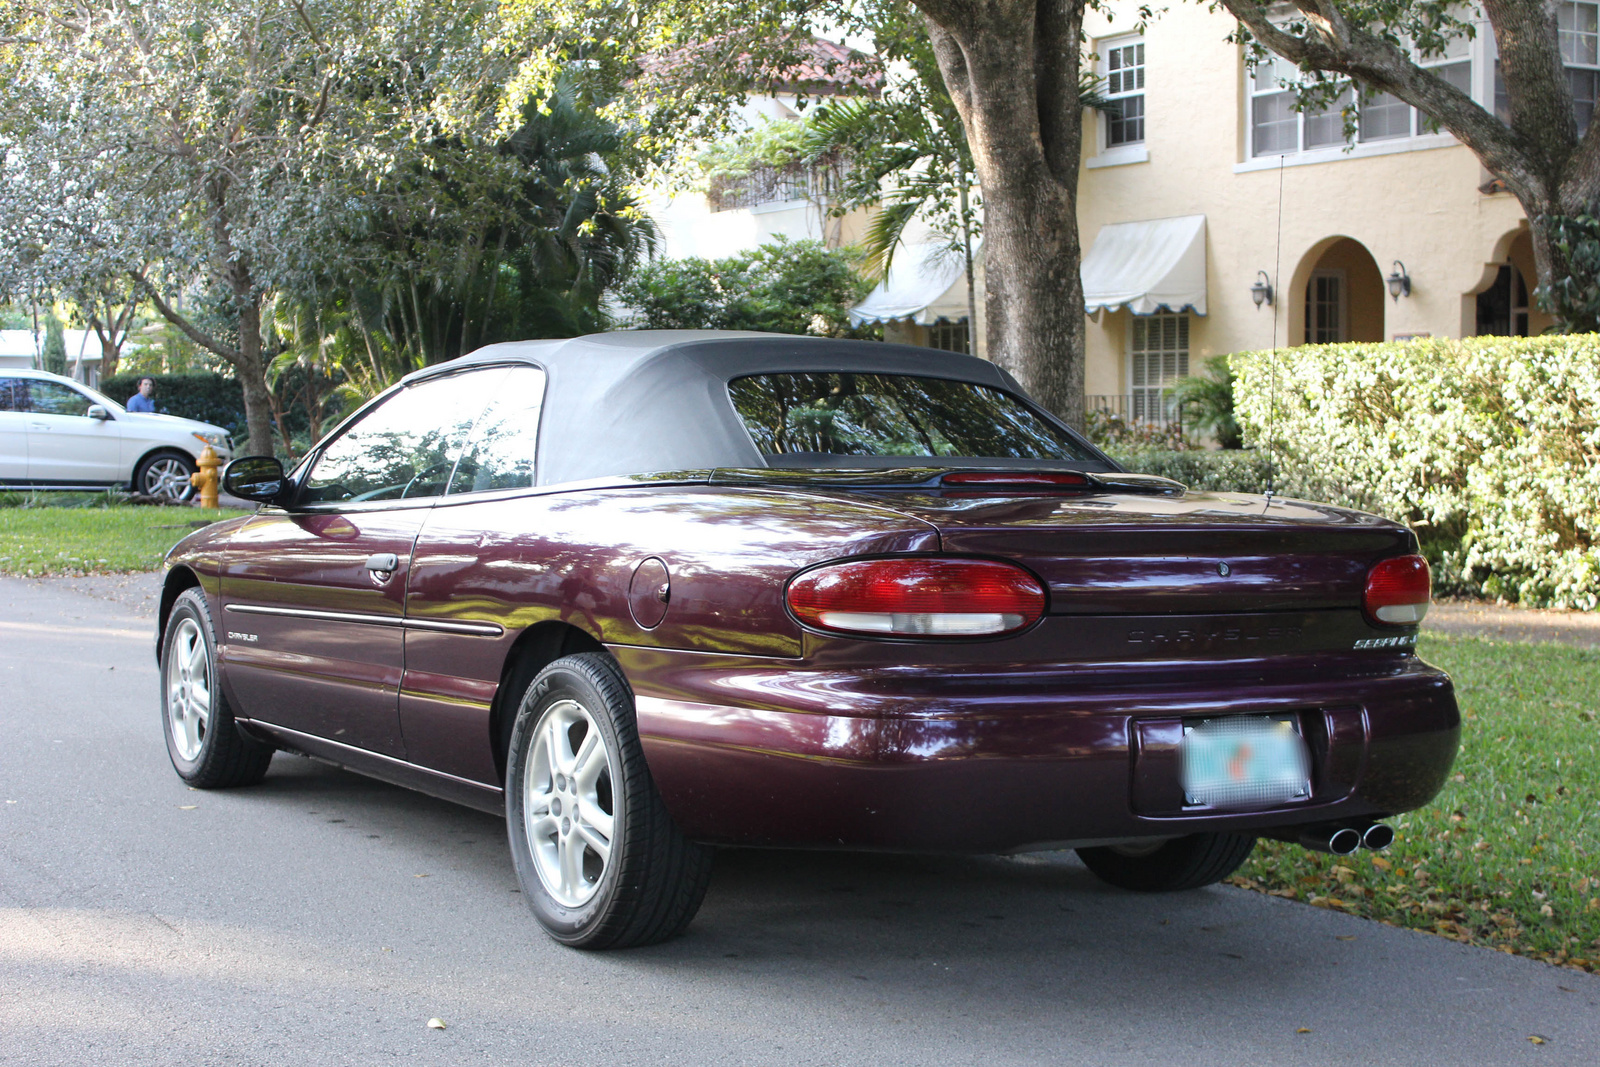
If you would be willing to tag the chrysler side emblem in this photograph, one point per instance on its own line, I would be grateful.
(1224, 570)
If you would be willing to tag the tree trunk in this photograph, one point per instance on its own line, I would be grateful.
(252, 371)
(1012, 69)
(110, 353)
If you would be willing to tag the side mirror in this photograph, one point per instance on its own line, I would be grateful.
(98, 411)
(258, 478)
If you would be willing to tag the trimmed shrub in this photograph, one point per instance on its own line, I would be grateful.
(213, 398)
(1488, 447)
(1226, 471)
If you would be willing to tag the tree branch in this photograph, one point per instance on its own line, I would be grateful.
(953, 65)
(205, 341)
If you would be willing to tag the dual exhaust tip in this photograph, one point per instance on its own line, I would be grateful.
(1340, 839)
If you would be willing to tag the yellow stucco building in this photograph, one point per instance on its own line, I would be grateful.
(1207, 184)
(1286, 200)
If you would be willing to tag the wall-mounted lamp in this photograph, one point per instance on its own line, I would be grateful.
(1399, 281)
(1261, 291)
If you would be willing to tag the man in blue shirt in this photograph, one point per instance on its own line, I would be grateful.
(141, 401)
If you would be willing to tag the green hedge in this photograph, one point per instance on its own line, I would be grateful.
(213, 398)
(1488, 447)
(1229, 470)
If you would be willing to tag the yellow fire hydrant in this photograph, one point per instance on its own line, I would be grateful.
(206, 478)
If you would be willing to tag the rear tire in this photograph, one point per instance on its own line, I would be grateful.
(1182, 863)
(205, 745)
(602, 864)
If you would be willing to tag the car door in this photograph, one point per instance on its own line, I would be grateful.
(454, 647)
(66, 446)
(313, 594)
(13, 430)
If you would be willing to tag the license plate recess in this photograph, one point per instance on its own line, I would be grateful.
(1244, 761)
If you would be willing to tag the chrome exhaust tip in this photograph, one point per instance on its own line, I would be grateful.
(1377, 837)
(1341, 842)
(1339, 839)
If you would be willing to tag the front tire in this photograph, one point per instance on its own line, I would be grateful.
(1182, 863)
(165, 475)
(206, 748)
(602, 864)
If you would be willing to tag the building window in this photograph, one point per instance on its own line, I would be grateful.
(1325, 308)
(1158, 355)
(1123, 62)
(1579, 26)
(1276, 128)
(949, 337)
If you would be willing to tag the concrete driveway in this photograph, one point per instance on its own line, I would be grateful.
(323, 918)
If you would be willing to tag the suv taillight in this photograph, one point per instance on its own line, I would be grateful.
(918, 597)
(1397, 591)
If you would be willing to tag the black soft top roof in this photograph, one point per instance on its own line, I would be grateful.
(657, 400)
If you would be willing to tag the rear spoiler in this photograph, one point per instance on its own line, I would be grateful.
(968, 481)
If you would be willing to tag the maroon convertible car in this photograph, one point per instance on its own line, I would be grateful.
(647, 593)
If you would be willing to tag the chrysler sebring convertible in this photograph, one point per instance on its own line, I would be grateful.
(650, 593)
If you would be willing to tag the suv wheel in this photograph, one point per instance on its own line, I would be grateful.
(165, 475)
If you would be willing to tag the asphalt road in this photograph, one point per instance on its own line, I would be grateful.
(323, 918)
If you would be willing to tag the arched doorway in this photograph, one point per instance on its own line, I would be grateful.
(1502, 304)
(1338, 293)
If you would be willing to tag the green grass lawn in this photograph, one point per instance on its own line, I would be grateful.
(94, 540)
(1508, 855)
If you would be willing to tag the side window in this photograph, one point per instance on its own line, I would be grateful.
(407, 446)
(53, 398)
(503, 447)
(13, 394)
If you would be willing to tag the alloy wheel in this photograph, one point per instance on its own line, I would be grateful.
(188, 670)
(569, 806)
(166, 476)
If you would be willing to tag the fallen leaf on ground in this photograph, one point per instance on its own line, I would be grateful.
(187, 807)
(435, 1024)
(1537, 1040)
(1303, 1030)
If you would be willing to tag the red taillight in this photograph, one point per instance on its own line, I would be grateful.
(918, 597)
(1031, 479)
(1397, 591)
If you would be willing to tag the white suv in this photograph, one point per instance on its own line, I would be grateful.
(56, 433)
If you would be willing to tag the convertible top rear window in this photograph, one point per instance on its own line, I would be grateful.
(816, 415)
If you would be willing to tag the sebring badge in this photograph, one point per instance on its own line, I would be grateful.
(1224, 570)
(1400, 641)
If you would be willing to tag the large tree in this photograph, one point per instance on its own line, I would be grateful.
(1011, 70)
(212, 147)
(1536, 148)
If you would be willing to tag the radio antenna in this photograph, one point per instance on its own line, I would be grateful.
(1272, 397)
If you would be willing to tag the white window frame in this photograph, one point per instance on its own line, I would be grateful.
(1140, 394)
(1580, 46)
(1110, 155)
(1477, 52)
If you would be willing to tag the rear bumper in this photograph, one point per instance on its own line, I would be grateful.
(993, 760)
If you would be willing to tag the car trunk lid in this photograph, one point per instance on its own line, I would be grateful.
(1123, 544)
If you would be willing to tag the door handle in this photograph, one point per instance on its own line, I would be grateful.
(386, 562)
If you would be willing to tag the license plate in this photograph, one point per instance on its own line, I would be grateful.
(1244, 761)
